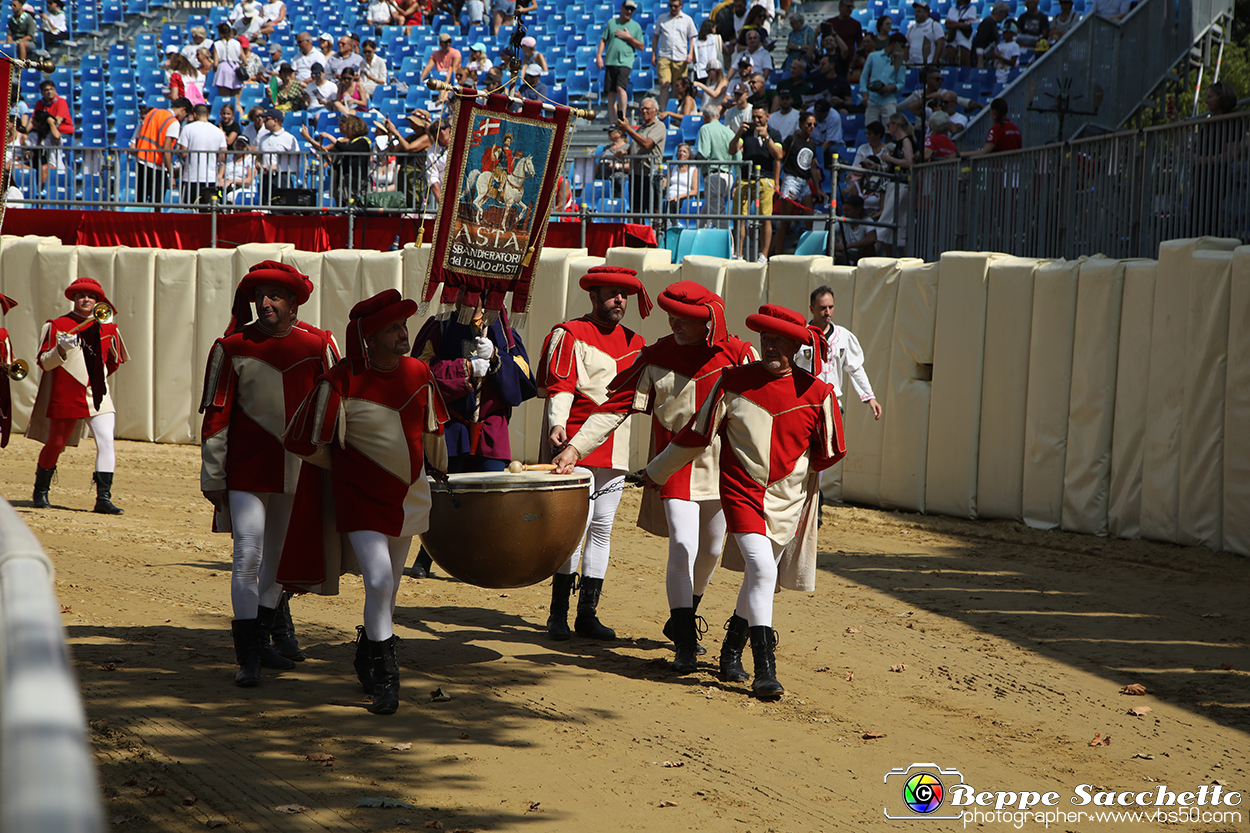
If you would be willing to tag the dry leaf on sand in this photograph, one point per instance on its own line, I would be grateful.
(898, 669)
(873, 735)
(854, 630)
(1099, 740)
(850, 676)
(673, 764)
(323, 758)
(1140, 711)
(667, 803)
(401, 747)
(1134, 688)
(290, 809)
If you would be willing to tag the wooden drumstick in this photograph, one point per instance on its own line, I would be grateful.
(516, 467)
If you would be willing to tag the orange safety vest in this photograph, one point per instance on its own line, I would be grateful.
(152, 135)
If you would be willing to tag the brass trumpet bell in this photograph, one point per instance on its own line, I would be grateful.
(17, 370)
(101, 313)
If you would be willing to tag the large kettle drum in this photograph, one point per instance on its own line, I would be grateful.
(507, 530)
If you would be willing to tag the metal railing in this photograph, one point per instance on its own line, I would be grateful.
(47, 772)
(1128, 60)
(1121, 194)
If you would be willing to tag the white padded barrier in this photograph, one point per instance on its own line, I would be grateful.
(1096, 348)
(955, 400)
(872, 322)
(1236, 498)
(1050, 383)
(1132, 384)
(1160, 500)
(905, 449)
(1004, 386)
(1201, 498)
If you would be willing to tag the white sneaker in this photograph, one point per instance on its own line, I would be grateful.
(761, 259)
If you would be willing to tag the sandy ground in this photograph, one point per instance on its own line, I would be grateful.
(1012, 646)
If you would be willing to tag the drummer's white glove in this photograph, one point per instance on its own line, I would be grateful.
(483, 349)
(479, 366)
(67, 341)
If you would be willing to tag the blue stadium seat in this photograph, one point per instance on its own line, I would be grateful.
(690, 128)
(112, 14)
(578, 84)
(609, 204)
(689, 208)
(713, 242)
(813, 243)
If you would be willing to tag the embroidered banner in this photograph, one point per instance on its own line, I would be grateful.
(501, 181)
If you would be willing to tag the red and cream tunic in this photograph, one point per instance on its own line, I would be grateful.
(254, 384)
(6, 402)
(579, 361)
(373, 430)
(670, 382)
(64, 382)
(776, 431)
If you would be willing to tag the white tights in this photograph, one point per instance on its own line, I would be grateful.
(596, 544)
(259, 520)
(696, 537)
(381, 559)
(102, 426)
(759, 582)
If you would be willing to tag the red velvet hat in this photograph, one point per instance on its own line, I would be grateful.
(622, 278)
(6, 304)
(267, 272)
(87, 285)
(687, 299)
(371, 315)
(786, 322)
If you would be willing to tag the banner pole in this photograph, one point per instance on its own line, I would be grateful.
(456, 89)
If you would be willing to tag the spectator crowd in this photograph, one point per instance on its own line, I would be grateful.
(754, 103)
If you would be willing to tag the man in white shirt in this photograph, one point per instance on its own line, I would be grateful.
(845, 353)
(672, 47)
(321, 90)
(738, 109)
(345, 58)
(950, 106)
(925, 30)
(279, 160)
(380, 14)
(308, 55)
(786, 119)
(203, 146)
(761, 58)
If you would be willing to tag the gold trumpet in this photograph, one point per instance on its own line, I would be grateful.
(17, 370)
(101, 313)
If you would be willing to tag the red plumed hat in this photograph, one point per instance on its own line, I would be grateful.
(266, 272)
(788, 323)
(88, 285)
(688, 299)
(622, 278)
(371, 315)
